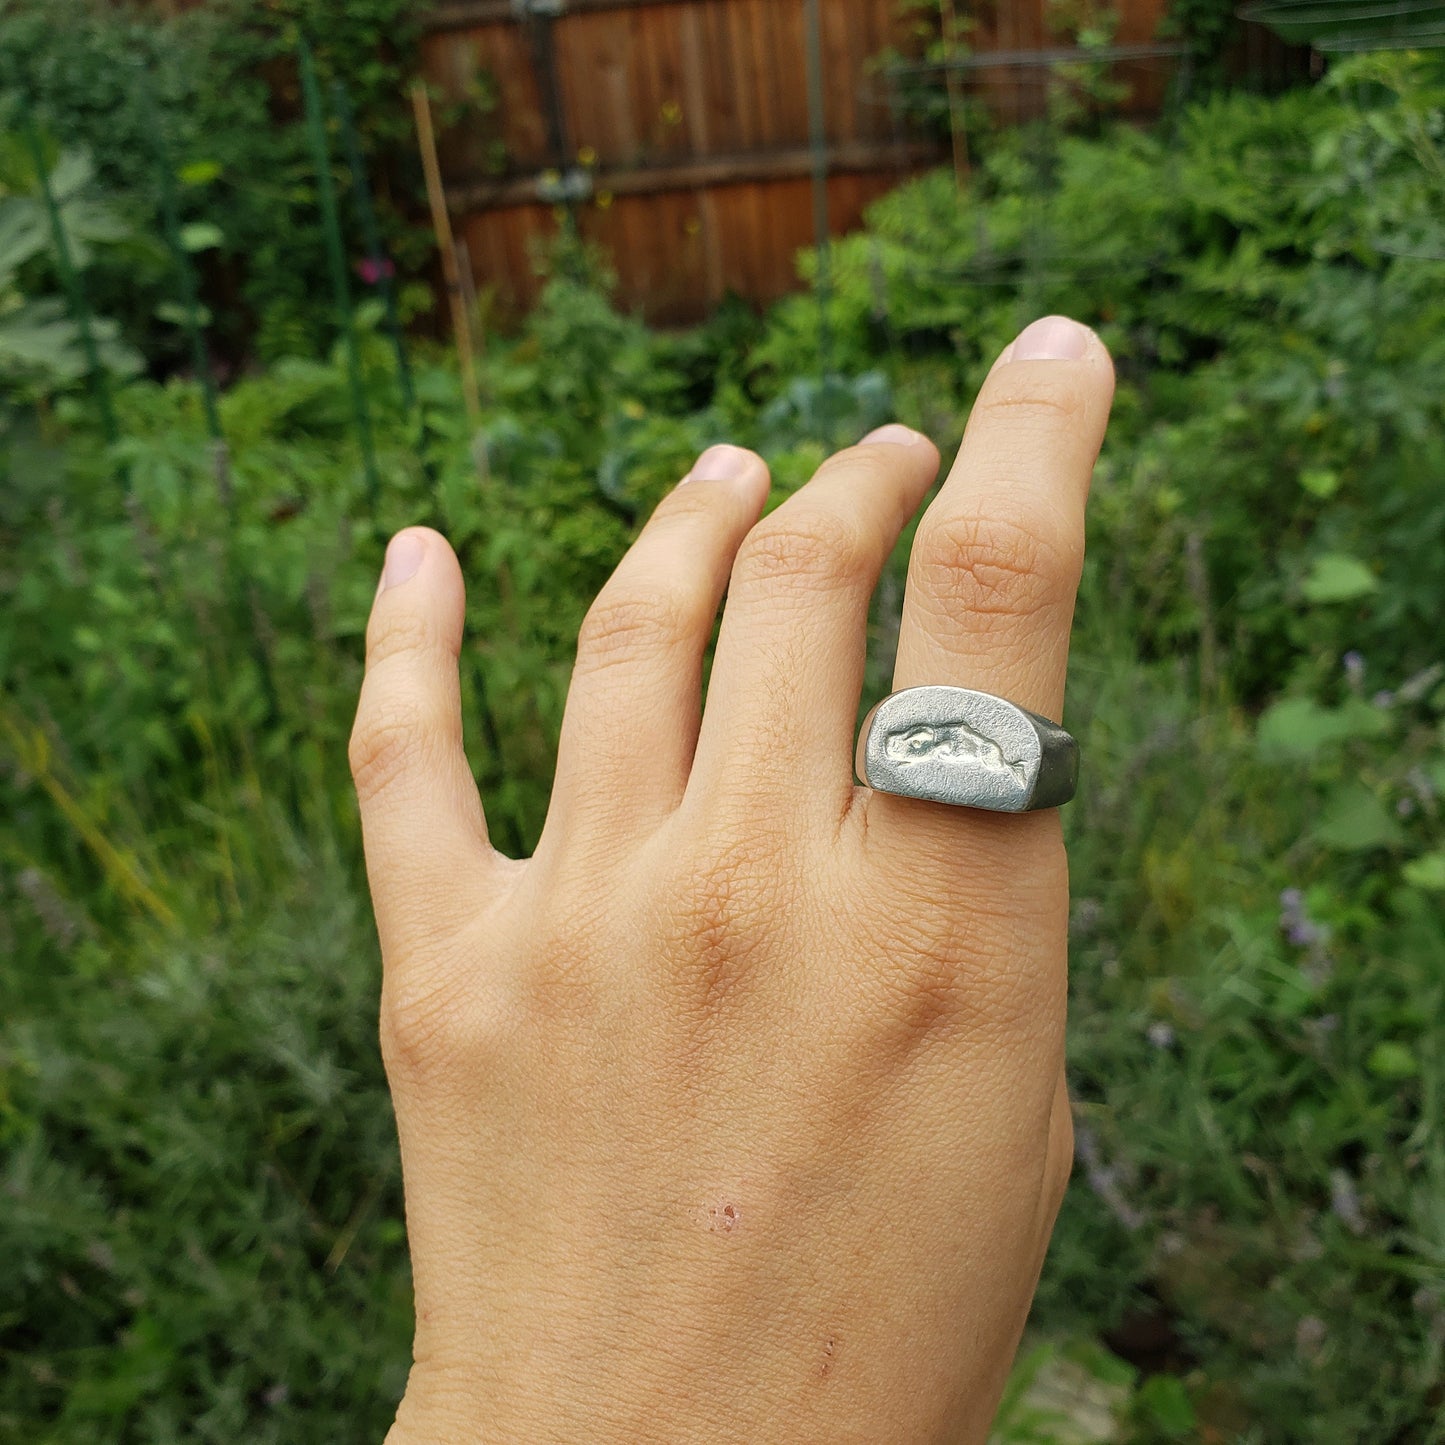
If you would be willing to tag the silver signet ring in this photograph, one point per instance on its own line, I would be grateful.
(971, 749)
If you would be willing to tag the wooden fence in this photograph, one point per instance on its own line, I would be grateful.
(677, 131)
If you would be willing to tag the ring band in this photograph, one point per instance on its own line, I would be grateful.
(970, 749)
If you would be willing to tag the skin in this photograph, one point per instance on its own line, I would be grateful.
(738, 1112)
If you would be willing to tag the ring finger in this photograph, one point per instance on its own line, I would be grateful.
(997, 557)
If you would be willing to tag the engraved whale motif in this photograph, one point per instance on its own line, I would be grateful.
(955, 741)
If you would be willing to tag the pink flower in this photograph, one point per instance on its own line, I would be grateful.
(372, 269)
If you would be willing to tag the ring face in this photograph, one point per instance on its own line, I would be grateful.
(971, 749)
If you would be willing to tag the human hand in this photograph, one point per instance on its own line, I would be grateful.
(737, 1112)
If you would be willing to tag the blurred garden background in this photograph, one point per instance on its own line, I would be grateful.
(239, 347)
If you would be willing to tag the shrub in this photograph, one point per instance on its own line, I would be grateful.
(216, 86)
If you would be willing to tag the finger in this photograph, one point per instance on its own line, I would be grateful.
(427, 855)
(997, 557)
(636, 694)
(783, 695)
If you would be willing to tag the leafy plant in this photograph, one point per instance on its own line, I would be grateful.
(41, 350)
(211, 95)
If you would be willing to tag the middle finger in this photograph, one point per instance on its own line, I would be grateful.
(788, 671)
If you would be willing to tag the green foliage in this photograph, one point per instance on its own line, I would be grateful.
(202, 1194)
(1207, 27)
(1257, 1017)
(40, 340)
(911, 77)
(1267, 274)
(204, 1232)
(212, 95)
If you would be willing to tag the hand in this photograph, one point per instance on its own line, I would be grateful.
(737, 1112)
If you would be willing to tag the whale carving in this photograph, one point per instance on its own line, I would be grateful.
(967, 748)
(954, 741)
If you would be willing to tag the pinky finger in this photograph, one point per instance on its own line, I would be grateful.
(428, 858)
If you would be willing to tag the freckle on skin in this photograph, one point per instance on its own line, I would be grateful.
(724, 1218)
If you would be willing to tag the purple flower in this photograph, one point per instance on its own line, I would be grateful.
(1296, 924)
(1354, 665)
(1384, 698)
(372, 269)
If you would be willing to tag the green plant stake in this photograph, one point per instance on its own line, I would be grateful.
(70, 277)
(336, 256)
(185, 271)
(371, 236)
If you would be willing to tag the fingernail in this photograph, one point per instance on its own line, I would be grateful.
(720, 464)
(403, 559)
(894, 434)
(1051, 338)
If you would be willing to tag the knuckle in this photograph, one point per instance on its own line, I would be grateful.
(720, 917)
(1062, 394)
(384, 743)
(423, 1028)
(569, 969)
(396, 630)
(688, 506)
(855, 468)
(815, 550)
(620, 626)
(439, 1017)
(950, 977)
(995, 565)
(926, 994)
